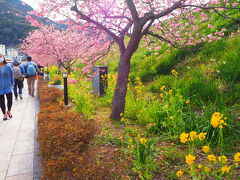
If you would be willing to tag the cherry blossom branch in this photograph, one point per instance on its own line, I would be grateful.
(84, 17)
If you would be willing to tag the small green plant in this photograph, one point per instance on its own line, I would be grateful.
(83, 99)
(57, 82)
(143, 150)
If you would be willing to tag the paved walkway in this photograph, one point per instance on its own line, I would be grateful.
(18, 145)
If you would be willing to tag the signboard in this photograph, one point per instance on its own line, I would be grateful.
(99, 80)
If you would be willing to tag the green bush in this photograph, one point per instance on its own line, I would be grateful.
(82, 99)
(57, 82)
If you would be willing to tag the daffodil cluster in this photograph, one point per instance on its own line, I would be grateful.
(218, 120)
(185, 137)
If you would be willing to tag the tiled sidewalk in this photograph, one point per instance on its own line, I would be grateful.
(18, 145)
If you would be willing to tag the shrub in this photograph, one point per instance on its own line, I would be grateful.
(82, 99)
(57, 82)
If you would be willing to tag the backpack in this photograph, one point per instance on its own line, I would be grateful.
(31, 71)
(16, 72)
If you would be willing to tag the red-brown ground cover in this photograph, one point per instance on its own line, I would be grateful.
(66, 142)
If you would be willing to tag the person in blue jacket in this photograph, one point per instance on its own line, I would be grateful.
(6, 87)
(18, 74)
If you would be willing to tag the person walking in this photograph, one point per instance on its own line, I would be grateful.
(6, 87)
(18, 74)
(31, 75)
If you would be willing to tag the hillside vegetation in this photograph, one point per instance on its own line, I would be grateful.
(209, 75)
(13, 24)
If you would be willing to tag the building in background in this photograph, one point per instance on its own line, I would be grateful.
(2, 49)
(11, 53)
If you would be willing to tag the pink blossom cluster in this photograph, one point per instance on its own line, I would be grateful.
(72, 81)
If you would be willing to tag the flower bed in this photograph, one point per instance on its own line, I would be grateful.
(65, 142)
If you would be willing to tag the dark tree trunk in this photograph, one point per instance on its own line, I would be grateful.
(59, 68)
(118, 104)
(69, 70)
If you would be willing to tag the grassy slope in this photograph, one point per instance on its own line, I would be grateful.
(209, 77)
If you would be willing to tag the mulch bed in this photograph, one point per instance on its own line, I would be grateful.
(66, 142)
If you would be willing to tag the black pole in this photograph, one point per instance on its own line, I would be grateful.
(65, 91)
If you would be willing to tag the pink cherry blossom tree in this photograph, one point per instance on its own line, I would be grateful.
(49, 45)
(127, 22)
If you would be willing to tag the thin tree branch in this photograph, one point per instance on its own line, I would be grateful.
(167, 11)
(147, 28)
(215, 9)
(118, 17)
(162, 38)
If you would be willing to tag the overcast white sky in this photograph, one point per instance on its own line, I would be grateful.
(32, 3)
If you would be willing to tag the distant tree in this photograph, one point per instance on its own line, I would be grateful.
(176, 22)
(49, 45)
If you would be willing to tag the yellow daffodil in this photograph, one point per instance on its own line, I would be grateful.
(207, 169)
(190, 159)
(202, 136)
(143, 140)
(211, 157)
(187, 101)
(192, 134)
(184, 137)
(179, 173)
(175, 73)
(223, 159)
(200, 166)
(237, 157)
(166, 106)
(162, 88)
(171, 117)
(226, 169)
(206, 149)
